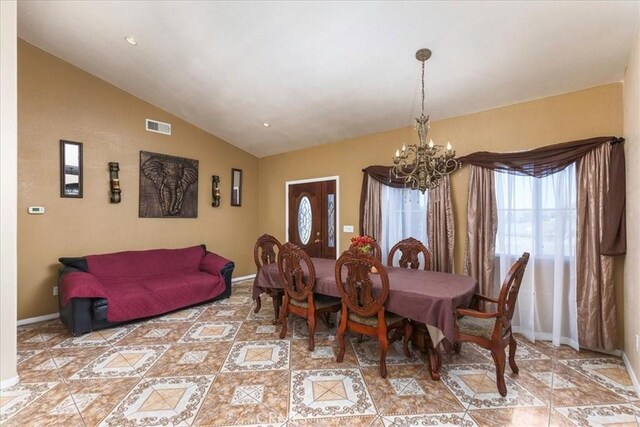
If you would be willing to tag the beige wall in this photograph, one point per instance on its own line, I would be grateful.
(9, 194)
(59, 101)
(587, 113)
(632, 152)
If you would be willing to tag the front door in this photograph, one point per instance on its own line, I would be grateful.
(312, 217)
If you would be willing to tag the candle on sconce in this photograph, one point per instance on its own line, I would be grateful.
(397, 153)
(448, 146)
(431, 143)
(404, 148)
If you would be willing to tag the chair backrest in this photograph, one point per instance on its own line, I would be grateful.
(376, 251)
(410, 249)
(356, 287)
(297, 273)
(510, 289)
(265, 250)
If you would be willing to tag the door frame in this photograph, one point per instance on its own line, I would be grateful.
(305, 181)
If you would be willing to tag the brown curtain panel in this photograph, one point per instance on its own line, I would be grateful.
(482, 226)
(371, 208)
(441, 229)
(595, 290)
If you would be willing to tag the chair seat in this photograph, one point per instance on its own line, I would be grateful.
(476, 326)
(389, 319)
(320, 301)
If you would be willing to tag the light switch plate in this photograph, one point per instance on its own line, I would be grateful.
(348, 228)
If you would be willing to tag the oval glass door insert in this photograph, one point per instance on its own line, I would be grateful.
(304, 220)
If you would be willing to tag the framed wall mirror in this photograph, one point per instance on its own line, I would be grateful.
(236, 187)
(70, 169)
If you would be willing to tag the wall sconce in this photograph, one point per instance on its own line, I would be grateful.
(114, 167)
(215, 190)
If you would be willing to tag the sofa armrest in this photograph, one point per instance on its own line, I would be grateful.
(215, 264)
(78, 284)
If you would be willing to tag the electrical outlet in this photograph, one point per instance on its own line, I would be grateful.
(55, 291)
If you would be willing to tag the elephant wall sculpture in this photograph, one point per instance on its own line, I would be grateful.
(168, 186)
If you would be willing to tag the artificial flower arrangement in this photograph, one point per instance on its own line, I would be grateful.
(363, 244)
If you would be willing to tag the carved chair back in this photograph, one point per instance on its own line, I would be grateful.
(410, 249)
(356, 287)
(266, 250)
(297, 273)
(376, 251)
(510, 289)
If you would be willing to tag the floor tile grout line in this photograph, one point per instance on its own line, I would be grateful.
(65, 383)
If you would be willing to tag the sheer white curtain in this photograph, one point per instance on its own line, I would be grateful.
(404, 214)
(538, 215)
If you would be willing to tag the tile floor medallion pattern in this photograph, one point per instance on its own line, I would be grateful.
(609, 415)
(610, 373)
(103, 338)
(449, 420)
(161, 401)
(122, 362)
(15, 399)
(475, 387)
(221, 364)
(257, 355)
(211, 331)
(186, 315)
(329, 393)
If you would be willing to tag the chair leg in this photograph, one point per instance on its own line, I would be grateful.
(384, 347)
(283, 319)
(342, 328)
(326, 319)
(457, 347)
(407, 338)
(359, 338)
(277, 305)
(311, 323)
(258, 304)
(513, 345)
(499, 359)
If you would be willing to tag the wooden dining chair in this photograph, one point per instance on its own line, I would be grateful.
(298, 276)
(492, 330)
(266, 252)
(410, 249)
(376, 251)
(363, 308)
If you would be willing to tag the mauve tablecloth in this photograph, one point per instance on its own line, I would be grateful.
(429, 297)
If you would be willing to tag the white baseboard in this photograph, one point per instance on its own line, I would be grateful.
(241, 278)
(38, 319)
(9, 382)
(632, 374)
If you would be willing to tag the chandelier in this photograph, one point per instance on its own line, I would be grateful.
(430, 162)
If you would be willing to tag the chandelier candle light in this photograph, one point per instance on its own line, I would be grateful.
(430, 162)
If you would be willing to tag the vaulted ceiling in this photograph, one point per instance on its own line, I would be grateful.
(320, 72)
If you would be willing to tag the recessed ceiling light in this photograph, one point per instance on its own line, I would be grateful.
(132, 41)
(265, 124)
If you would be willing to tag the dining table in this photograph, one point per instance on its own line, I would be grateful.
(427, 298)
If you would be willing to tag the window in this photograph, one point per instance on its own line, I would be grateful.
(538, 215)
(404, 214)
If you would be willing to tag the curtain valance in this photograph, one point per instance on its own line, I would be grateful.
(539, 162)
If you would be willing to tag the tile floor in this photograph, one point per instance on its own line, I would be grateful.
(220, 364)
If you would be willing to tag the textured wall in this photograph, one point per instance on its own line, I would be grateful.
(587, 113)
(59, 101)
(632, 152)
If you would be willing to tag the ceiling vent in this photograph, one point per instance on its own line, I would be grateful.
(158, 127)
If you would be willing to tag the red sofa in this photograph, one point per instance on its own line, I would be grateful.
(98, 291)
